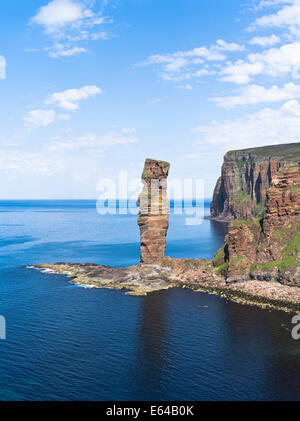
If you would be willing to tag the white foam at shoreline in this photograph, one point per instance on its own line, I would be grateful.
(85, 286)
(43, 270)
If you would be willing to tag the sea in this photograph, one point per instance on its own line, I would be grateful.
(67, 342)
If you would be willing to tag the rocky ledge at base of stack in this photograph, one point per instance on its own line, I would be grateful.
(136, 280)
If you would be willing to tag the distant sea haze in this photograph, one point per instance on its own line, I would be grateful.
(65, 342)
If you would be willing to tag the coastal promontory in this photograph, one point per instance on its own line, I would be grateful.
(259, 262)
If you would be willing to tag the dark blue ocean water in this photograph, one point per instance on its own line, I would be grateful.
(65, 342)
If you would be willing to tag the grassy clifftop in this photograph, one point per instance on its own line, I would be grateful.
(288, 152)
(267, 248)
(247, 174)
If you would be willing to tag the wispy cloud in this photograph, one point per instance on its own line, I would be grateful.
(257, 74)
(129, 131)
(266, 41)
(91, 141)
(187, 86)
(70, 22)
(287, 16)
(220, 59)
(275, 62)
(269, 3)
(70, 99)
(194, 63)
(74, 157)
(256, 94)
(58, 13)
(267, 126)
(60, 50)
(37, 118)
(42, 118)
(2, 67)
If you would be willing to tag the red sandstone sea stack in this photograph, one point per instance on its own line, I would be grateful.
(154, 211)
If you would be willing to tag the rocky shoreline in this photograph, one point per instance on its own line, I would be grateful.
(136, 280)
(198, 275)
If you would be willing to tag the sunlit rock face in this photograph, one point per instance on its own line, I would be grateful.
(241, 191)
(154, 211)
(268, 248)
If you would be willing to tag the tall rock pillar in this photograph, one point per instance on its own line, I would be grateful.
(154, 211)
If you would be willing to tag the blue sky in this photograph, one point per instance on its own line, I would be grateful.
(91, 88)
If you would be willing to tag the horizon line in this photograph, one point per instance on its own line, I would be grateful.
(90, 199)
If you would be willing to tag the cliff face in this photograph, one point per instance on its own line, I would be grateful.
(267, 248)
(154, 211)
(247, 175)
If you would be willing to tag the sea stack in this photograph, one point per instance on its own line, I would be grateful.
(154, 211)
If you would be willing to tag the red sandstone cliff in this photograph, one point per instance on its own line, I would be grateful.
(268, 248)
(247, 174)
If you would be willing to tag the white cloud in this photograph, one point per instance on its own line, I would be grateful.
(45, 162)
(128, 131)
(100, 35)
(154, 101)
(194, 155)
(222, 45)
(72, 157)
(109, 139)
(203, 72)
(216, 59)
(58, 13)
(267, 41)
(37, 118)
(269, 3)
(240, 71)
(60, 50)
(183, 65)
(2, 67)
(64, 117)
(289, 16)
(188, 86)
(255, 94)
(92, 141)
(42, 118)
(274, 62)
(71, 21)
(69, 99)
(265, 127)
(31, 50)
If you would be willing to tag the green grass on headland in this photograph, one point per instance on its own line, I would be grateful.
(289, 152)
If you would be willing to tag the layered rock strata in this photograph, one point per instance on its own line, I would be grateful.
(240, 192)
(153, 217)
(267, 248)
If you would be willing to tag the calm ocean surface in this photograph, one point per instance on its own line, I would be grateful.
(65, 342)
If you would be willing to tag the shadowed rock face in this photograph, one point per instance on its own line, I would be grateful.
(154, 211)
